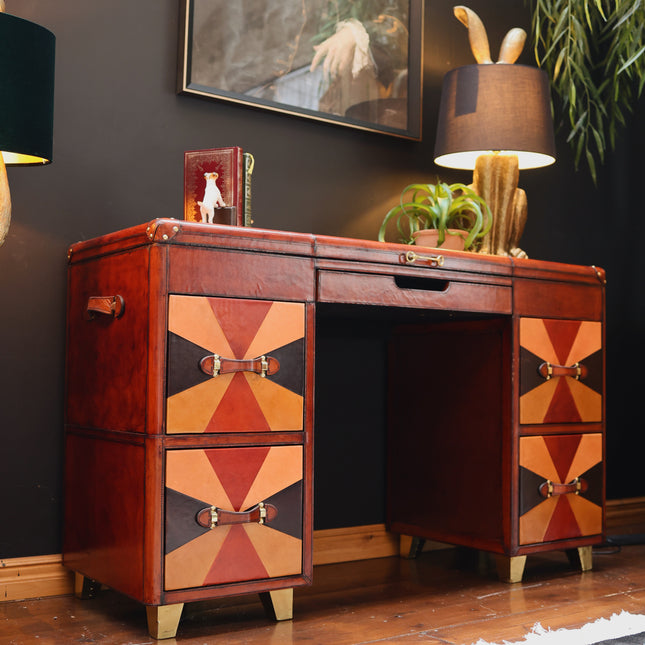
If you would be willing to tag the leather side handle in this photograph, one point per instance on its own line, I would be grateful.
(105, 305)
(213, 516)
(576, 486)
(577, 371)
(214, 365)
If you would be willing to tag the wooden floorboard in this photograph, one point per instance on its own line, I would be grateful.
(449, 597)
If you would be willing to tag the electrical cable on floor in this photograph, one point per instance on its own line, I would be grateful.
(615, 543)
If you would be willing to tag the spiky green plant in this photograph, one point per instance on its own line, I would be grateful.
(439, 206)
(594, 54)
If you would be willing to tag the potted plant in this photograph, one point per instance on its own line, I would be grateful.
(451, 210)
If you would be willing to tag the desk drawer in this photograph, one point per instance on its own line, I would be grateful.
(216, 379)
(561, 371)
(233, 542)
(411, 291)
(561, 487)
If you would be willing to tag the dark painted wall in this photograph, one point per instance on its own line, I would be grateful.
(120, 134)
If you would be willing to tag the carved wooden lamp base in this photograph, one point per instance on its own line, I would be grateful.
(495, 179)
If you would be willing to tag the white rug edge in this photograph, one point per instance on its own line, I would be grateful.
(617, 626)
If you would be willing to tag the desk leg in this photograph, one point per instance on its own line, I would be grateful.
(278, 604)
(410, 547)
(510, 568)
(85, 588)
(163, 620)
(581, 558)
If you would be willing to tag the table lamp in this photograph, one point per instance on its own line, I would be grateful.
(495, 119)
(26, 100)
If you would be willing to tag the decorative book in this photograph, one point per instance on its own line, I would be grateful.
(217, 186)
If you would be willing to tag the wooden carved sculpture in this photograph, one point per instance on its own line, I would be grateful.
(512, 44)
(496, 175)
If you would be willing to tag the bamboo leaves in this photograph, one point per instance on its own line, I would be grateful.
(594, 53)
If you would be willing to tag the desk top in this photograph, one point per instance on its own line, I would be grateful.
(326, 249)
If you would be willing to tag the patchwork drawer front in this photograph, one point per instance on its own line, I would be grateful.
(233, 515)
(561, 487)
(561, 373)
(234, 365)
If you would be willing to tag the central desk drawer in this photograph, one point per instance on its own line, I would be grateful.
(419, 292)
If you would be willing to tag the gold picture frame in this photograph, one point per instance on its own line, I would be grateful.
(359, 65)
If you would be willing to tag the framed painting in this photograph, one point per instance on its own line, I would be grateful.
(357, 63)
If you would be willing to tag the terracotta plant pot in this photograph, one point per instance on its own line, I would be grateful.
(428, 237)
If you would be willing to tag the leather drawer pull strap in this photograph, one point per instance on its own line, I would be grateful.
(213, 516)
(576, 371)
(214, 365)
(576, 486)
(106, 305)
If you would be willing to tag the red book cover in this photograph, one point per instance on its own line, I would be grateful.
(213, 183)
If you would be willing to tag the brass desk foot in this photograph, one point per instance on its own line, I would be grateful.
(581, 558)
(163, 620)
(510, 568)
(278, 604)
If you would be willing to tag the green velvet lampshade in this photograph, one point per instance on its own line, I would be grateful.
(27, 54)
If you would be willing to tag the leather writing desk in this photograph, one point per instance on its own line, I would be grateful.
(190, 417)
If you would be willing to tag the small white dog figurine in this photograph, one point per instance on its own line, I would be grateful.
(212, 198)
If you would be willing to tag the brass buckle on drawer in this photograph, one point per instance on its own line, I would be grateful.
(217, 365)
(435, 260)
(214, 517)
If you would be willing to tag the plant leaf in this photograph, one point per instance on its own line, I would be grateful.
(632, 60)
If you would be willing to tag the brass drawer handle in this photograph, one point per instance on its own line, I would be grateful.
(575, 486)
(577, 371)
(434, 260)
(213, 516)
(214, 365)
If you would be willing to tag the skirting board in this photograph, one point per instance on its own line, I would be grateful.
(34, 577)
(42, 576)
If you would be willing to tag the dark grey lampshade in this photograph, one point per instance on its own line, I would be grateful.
(490, 108)
(26, 91)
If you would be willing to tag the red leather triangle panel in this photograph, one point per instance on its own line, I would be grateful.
(563, 523)
(238, 411)
(237, 469)
(563, 407)
(562, 334)
(237, 560)
(563, 449)
(240, 321)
